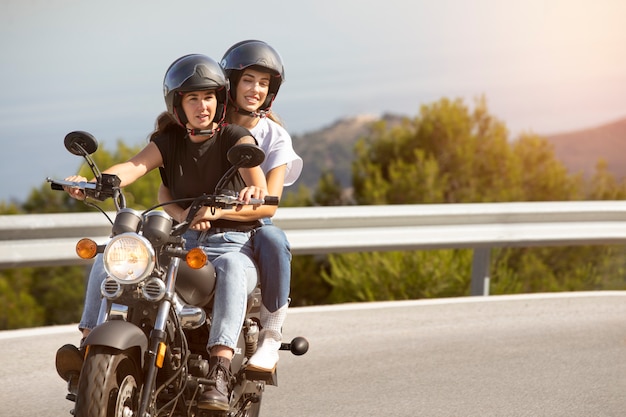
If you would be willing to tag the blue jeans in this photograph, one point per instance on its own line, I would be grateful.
(236, 277)
(93, 297)
(231, 254)
(273, 254)
(271, 251)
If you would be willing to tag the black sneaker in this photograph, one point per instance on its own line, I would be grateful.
(216, 397)
(69, 361)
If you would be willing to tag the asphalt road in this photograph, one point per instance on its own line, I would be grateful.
(547, 355)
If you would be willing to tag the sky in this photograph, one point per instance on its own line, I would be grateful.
(543, 66)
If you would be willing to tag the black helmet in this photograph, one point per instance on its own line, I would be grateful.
(250, 53)
(194, 72)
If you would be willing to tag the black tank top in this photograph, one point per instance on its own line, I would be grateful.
(192, 169)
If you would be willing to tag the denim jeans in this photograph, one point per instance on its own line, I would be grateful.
(93, 297)
(273, 254)
(236, 277)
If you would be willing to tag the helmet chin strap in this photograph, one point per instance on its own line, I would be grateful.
(260, 114)
(200, 132)
(204, 132)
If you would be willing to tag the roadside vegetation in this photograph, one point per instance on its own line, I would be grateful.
(448, 153)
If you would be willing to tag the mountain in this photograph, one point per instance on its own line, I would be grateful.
(581, 150)
(331, 148)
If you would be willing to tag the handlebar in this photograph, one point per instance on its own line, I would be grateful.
(57, 185)
(108, 186)
(269, 200)
(224, 201)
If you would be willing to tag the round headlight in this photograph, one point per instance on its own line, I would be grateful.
(129, 258)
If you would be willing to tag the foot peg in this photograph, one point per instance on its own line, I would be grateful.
(298, 346)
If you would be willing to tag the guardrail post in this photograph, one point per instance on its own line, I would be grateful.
(480, 271)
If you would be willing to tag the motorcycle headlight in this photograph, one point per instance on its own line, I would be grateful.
(129, 258)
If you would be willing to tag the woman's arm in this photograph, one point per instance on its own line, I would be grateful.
(258, 186)
(139, 165)
(128, 172)
(275, 179)
(174, 210)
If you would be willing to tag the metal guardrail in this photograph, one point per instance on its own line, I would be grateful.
(49, 239)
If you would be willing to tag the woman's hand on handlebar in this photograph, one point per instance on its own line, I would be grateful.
(75, 192)
(201, 225)
(202, 219)
(251, 192)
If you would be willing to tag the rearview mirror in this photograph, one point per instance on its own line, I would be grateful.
(245, 155)
(80, 143)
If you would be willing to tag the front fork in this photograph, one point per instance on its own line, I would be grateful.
(157, 336)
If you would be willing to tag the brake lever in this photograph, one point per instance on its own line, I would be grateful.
(107, 186)
(58, 185)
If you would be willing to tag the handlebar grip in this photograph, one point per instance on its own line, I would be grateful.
(271, 200)
(56, 187)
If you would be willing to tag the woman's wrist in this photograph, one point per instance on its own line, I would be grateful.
(217, 215)
(176, 214)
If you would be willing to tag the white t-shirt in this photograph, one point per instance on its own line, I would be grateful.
(278, 148)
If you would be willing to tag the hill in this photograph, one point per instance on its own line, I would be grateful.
(581, 150)
(331, 148)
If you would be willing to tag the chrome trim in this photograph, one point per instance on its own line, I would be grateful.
(110, 288)
(153, 289)
(191, 317)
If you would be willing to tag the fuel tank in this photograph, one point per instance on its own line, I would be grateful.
(196, 286)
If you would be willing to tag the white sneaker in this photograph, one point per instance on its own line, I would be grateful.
(266, 356)
(270, 337)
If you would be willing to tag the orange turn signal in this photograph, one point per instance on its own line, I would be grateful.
(86, 248)
(161, 355)
(196, 258)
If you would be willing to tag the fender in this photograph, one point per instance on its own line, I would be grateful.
(118, 334)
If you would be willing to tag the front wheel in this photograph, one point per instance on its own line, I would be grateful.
(109, 384)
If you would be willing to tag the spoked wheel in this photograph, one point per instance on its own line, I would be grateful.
(109, 384)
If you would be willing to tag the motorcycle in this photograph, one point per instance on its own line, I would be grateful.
(147, 356)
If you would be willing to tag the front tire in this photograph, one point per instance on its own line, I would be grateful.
(109, 383)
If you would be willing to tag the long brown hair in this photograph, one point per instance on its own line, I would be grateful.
(165, 123)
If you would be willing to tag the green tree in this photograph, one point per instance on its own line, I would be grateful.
(329, 191)
(379, 276)
(300, 198)
(9, 208)
(603, 185)
(139, 195)
(541, 176)
(60, 291)
(19, 307)
(450, 153)
(44, 296)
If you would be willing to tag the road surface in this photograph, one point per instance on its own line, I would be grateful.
(549, 355)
